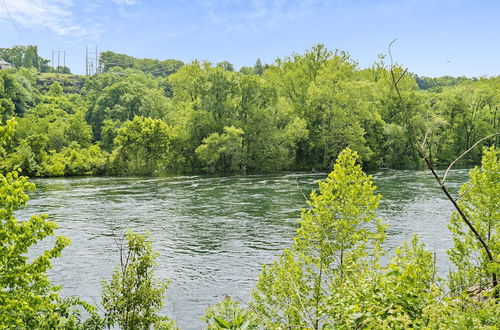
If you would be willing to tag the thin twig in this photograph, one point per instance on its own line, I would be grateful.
(473, 146)
(390, 54)
(464, 193)
(425, 137)
(402, 75)
(300, 189)
(305, 315)
(97, 305)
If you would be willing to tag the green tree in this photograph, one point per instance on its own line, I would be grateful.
(395, 146)
(109, 60)
(258, 67)
(55, 89)
(293, 75)
(143, 146)
(218, 94)
(56, 122)
(331, 247)
(391, 297)
(73, 160)
(136, 95)
(272, 137)
(213, 90)
(228, 66)
(471, 112)
(191, 127)
(133, 297)
(480, 201)
(340, 113)
(25, 56)
(332, 276)
(108, 133)
(186, 83)
(16, 86)
(62, 69)
(225, 147)
(229, 315)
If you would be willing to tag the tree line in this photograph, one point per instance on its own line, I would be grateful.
(27, 57)
(145, 116)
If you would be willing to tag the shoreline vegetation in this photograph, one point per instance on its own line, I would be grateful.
(331, 276)
(148, 117)
(315, 110)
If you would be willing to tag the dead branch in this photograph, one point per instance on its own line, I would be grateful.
(473, 146)
(421, 152)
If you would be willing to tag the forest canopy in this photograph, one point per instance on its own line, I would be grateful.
(297, 113)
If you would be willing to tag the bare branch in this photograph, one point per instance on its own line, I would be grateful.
(420, 149)
(390, 54)
(464, 193)
(300, 189)
(97, 305)
(473, 146)
(305, 316)
(402, 75)
(425, 137)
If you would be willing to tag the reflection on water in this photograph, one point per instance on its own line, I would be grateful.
(213, 233)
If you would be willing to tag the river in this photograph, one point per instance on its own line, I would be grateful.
(213, 233)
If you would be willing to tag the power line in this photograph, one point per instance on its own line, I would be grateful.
(13, 21)
(145, 69)
(124, 64)
(136, 74)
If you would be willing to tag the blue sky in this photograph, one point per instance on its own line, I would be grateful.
(449, 37)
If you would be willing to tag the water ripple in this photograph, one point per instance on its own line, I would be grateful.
(213, 233)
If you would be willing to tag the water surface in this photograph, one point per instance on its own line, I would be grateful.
(213, 233)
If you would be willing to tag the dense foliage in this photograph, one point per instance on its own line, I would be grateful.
(329, 255)
(27, 298)
(315, 110)
(332, 277)
(133, 296)
(481, 203)
(297, 113)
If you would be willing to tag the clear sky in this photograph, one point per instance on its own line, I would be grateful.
(435, 38)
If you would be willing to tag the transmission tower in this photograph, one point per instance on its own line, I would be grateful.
(91, 61)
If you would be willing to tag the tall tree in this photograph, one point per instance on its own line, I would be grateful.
(330, 248)
(25, 57)
(143, 146)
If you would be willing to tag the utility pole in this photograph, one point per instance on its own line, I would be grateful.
(86, 60)
(96, 61)
(58, 67)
